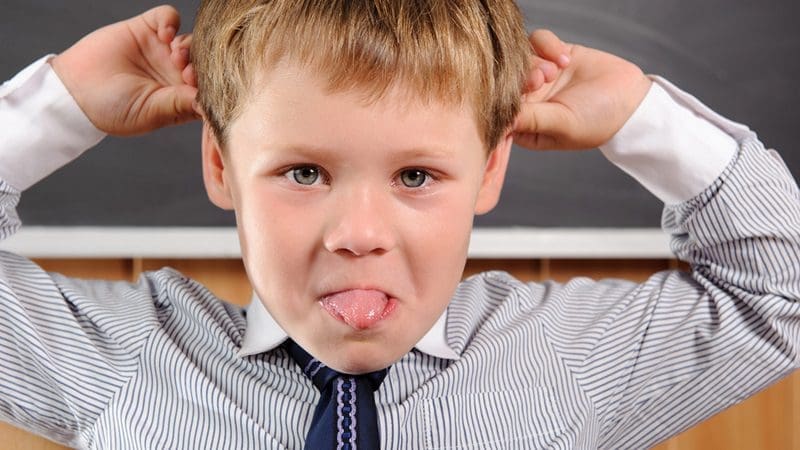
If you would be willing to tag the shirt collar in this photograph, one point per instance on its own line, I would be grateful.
(263, 334)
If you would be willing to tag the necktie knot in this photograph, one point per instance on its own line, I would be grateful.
(345, 417)
(319, 374)
(322, 375)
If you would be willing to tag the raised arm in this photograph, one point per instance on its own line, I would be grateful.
(657, 357)
(56, 334)
(128, 78)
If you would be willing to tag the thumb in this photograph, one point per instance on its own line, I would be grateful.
(541, 125)
(183, 104)
(533, 141)
(171, 106)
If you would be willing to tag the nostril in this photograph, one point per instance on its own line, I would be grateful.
(358, 242)
(356, 248)
(361, 226)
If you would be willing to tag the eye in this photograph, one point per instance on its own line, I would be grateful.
(413, 178)
(305, 175)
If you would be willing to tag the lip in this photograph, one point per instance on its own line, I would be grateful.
(356, 287)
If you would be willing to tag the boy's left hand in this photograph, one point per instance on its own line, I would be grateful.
(134, 76)
(576, 97)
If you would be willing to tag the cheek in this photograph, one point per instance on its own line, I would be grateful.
(437, 245)
(276, 242)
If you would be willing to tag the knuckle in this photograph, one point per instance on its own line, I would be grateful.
(167, 10)
(541, 31)
(164, 15)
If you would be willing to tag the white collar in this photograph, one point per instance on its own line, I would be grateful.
(264, 334)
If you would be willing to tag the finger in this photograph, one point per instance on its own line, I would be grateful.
(535, 80)
(184, 104)
(165, 20)
(172, 106)
(551, 119)
(536, 141)
(547, 45)
(180, 58)
(181, 42)
(189, 75)
(180, 46)
(548, 69)
(198, 110)
(542, 71)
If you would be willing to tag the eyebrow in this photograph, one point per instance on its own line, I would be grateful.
(424, 152)
(396, 154)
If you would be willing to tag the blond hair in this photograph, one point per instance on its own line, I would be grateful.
(452, 51)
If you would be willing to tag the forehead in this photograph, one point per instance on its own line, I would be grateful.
(290, 104)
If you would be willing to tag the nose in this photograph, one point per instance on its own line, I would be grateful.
(361, 224)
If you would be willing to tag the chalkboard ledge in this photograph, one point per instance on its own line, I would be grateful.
(190, 242)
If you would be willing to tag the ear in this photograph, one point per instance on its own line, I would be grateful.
(493, 175)
(217, 188)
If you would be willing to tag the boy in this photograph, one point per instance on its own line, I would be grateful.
(355, 141)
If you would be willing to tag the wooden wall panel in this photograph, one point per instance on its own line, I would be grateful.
(226, 278)
(17, 439)
(523, 269)
(97, 269)
(629, 269)
(795, 417)
(766, 421)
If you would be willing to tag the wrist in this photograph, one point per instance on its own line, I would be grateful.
(638, 91)
(67, 69)
(45, 128)
(672, 147)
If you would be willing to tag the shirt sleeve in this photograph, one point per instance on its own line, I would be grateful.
(66, 345)
(43, 126)
(674, 133)
(661, 356)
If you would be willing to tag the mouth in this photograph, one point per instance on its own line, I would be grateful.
(361, 309)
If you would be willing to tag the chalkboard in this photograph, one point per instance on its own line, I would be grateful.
(742, 58)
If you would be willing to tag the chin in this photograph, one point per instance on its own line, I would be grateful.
(358, 360)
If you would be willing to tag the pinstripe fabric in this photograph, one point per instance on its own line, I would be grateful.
(586, 364)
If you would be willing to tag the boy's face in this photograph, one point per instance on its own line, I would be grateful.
(354, 218)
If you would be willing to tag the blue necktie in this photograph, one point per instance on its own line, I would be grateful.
(345, 417)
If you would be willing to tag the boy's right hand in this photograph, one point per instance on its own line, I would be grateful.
(576, 97)
(133, 76)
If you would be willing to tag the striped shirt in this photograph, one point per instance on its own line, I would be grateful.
(158, 364)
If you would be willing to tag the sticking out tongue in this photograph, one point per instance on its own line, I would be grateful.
(358, 308)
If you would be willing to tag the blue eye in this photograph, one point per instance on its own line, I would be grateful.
(413, 178)
(305, 175)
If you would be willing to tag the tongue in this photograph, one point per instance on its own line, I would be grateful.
(358, 308)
